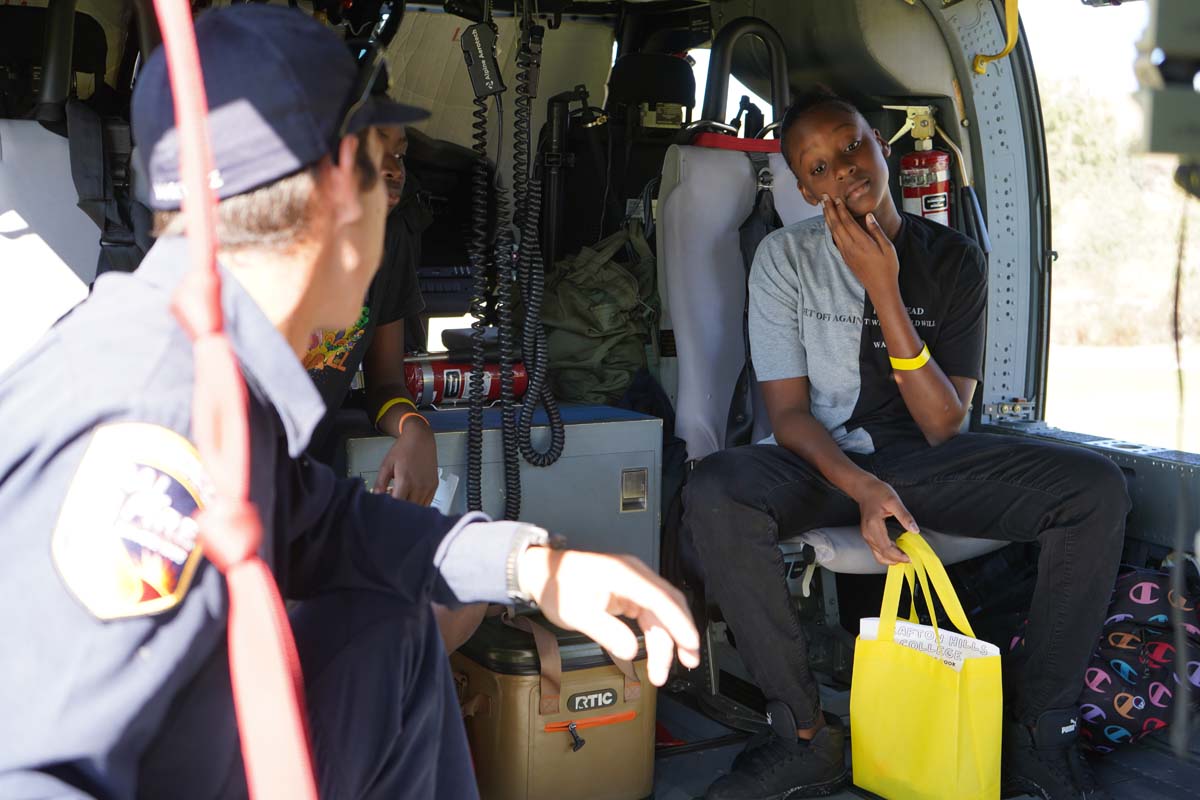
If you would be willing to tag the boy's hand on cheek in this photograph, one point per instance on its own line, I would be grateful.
(869, 253)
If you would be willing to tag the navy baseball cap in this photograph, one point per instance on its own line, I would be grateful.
(279, 86)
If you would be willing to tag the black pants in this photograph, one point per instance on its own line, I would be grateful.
(382, 708)
(383, 716)
(740, 502)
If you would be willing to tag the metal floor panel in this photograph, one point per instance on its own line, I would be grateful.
(1150, 772)
(686, 775)
(1147, 771)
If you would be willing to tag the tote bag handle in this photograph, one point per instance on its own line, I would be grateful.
(926, 567)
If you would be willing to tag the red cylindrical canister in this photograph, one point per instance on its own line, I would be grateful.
(925, 181)
(434, 382)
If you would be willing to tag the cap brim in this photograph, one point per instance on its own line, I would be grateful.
(383, 112)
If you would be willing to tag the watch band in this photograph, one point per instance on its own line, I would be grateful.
(526, 537)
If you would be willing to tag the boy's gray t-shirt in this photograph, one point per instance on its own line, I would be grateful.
(810, 317)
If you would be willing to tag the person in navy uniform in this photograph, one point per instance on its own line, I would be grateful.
(115, 680)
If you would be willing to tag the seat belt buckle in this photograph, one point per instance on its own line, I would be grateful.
(116, 237)
(766, 180)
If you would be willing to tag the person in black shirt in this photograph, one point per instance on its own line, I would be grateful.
(409, 471)
(376, 341)
(867, 332)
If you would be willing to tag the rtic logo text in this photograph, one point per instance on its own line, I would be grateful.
(587, 701)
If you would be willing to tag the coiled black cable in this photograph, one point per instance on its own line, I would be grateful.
(534, 343)
(501, 258)
(480, 256)
(527, 189)
(503, 299)
(522, 123)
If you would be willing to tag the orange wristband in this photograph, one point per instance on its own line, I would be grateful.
(404, 418)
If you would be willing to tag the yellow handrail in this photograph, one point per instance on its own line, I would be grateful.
(1012, 28)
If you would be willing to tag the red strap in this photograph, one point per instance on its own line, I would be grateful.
(263, 665)
(720, 141)
(262, 658)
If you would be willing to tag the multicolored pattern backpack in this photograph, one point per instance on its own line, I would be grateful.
(1130, 686)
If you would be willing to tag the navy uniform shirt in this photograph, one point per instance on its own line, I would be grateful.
(113, 623)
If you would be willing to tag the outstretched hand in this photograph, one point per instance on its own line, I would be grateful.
(865, 248)
(587, 592)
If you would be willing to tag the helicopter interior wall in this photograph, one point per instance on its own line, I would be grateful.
(427, 69)
(114, 17)
(22, 35)
(853, 48)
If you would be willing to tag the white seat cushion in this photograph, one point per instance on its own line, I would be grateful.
(705, 196)
(48, 247)
(845, 550)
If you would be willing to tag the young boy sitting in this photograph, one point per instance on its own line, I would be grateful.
(867, 334)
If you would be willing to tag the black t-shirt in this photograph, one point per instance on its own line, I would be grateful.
(334, 356)
(943, 280)
(810, 317)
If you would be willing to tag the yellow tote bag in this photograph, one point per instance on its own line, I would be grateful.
(925, 705)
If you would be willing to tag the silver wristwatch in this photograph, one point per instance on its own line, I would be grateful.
(527, 536)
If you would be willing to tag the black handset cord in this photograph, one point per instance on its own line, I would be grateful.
(505, 294)
(482, 256)
(527, 189)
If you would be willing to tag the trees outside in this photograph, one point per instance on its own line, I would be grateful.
(1116, 218)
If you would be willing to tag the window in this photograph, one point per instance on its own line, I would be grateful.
(1116, 218)
(439, 325)
(736, 90)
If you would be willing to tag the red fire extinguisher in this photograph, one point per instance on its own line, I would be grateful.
(434, 380)
(925, 182)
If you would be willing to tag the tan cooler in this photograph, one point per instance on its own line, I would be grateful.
(569, 723)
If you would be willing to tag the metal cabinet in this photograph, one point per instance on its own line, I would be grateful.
(603, 494)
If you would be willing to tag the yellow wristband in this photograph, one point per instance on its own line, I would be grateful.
(908, 364)
(390, 404)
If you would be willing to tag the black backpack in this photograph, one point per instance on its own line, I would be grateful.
(1131, 685)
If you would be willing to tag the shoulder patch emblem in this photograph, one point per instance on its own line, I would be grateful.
(126, 543)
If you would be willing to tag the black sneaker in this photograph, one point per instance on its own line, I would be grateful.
(759, 739)
(1046, 762)
(753, 743)
(779, 769)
